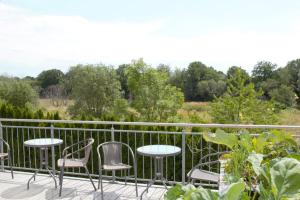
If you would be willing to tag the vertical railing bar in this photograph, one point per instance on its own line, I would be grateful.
(183, 157)
(112, 138)
(65, 142)
(150, 158)
(29, 148)
(121, 154)
(72, 148)
(1, 146)
(166, 159)
(59, 147)
(78, 146)
(135, 155)
(34, 150)
(24, 154)
(52, 150)
(7, 139)
(92, 154)
(18, 149)
(143, 144)
(174, 161)
(192, 146)
(12, 146)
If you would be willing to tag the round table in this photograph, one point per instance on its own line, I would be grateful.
(158, 152)
(43, 144)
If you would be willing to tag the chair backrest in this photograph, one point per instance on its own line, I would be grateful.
(112, 153)
(87, 150)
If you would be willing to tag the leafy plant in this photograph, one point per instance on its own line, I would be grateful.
(190, 192)
(280, 179)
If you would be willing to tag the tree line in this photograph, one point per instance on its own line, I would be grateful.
(151, 93)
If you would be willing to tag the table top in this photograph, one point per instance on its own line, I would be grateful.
(159, 150)
(43, 142)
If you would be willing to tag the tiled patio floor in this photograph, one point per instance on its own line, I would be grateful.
(73, 188)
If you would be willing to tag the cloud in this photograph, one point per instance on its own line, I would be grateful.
(30, 43)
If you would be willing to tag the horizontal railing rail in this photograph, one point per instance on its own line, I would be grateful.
(187, 136)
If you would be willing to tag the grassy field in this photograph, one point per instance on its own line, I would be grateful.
(195, 112)
(47, 105)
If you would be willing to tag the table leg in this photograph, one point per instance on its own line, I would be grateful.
(43, 164)
(158, 170)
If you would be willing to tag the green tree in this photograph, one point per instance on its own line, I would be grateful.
(284, 95)
(95, 90)
(263, 71)
(50, 77)
(121, 72)
(152, 96)
(17, 92)
(242, 104)
(177, 78)
(195, 73)
(232, 72)
(210, 89)
(293, 76)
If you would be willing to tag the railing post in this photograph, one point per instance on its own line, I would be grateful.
(52, 151)
(183, 156)
(112, 134)
(1, 144)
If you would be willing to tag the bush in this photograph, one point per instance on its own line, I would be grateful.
(17, 92)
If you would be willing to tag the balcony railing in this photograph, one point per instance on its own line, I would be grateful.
(187, 136)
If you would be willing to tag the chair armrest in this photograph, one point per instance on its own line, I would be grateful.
(7, 145)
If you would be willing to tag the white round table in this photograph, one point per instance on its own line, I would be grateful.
(158, 152)
(43, 144)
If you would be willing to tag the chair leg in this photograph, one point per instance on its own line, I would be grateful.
(135, 180)
(11, 169)
(61, 175)
(87, 171)
(101, 180)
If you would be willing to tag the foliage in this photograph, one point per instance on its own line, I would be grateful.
(209, 89)
(17, 92)
(196, 73)
(248, 153)
(263, 71)
(280, 179)
(237, 71)
(50, 77)
(190, 192)
(292, 75)
(95, 90)
(242, 104)
(122, 76)
(284, 96)
(152, 96)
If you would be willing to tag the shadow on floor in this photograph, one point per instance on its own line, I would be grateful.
(67, 193)
(21, 192)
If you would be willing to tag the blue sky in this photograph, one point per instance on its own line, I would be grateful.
(39, 34)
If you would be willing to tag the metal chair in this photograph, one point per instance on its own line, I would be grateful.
(198, 173)
(112, 161)
(7, 156)
(67, 162)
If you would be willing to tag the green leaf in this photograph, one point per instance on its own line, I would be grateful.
(295, 156)
(174, 193)
(285, 176)
(221, 137)
(234, 191)
(255, 160)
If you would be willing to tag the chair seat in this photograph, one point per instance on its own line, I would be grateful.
(2, 155)
(204, 175)
(70, 163)
(118, 166)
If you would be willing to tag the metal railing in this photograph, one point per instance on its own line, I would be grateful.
(187, 136)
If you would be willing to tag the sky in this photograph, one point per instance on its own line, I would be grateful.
(37, 35)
